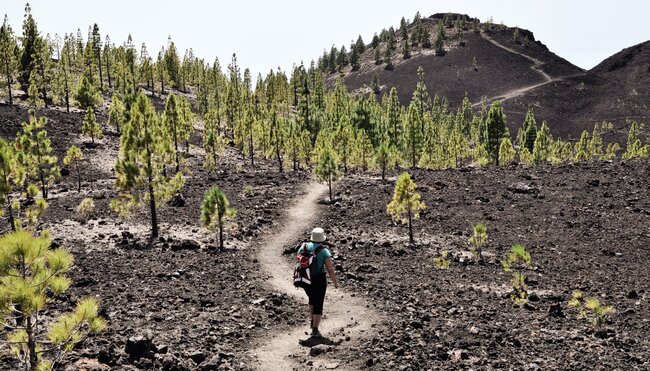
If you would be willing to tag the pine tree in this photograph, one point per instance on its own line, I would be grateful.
(378, 59)
(107, 55)
(344, 142)
(12, 177)
(342, 58)
(172, 122)
(327, 170)
(375, 41)
(411, 140)
(74, 157)
(388, 58)
(215, 211)
(506, 152)
(29, 47)
(392, 115)
(596, 142)
(8, 48)
(354, 58)
(635, 148)
(87, 94)
(383, 158)
(542, 146)
(276, 136)
(116, 113)
(36, 152)
(582, 147)
(440, 40)
(31, 274)
(42, 72)
(172, 63)
(145, 148)
(376, 85)
(405, 205)
(403, 28)
(360, 45)
(212, 141)
(530, 130)
(516, 34)
(495, 131)
(406, 51)
(91, 126)
(64, 70)
(363, 150)
(97, 52)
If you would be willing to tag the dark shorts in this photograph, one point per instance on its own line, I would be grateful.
(316, 293)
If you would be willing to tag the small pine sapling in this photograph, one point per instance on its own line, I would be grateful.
(479, 240)
(90, 125)
(27, 286)
(248, 190)
(591, 309)
(73, 157)
(215, 212)
(443, 261)
(85, 209)
(405, 205)
(518, 259)
(327, 170)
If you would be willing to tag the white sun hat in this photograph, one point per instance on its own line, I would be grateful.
(318, 235)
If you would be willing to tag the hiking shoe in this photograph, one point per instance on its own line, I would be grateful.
(315, 333)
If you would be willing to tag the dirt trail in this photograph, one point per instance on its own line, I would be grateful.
(537, 64)
(344, 315)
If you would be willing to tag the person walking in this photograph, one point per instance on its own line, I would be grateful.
(322, 263)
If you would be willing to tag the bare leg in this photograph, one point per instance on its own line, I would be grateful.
(316, 320)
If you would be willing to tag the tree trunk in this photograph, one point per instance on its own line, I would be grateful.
(250, 148)
(8, 73)
(12, 221)
(43, 187)
(31, 345)
(101, 79)
(78, 177)
(277, 152)
(410, 227)
(383, 172)
(220, 235)
(178, 163)
(329, 183)
(44, 88)
(108, 70)
(154, 217)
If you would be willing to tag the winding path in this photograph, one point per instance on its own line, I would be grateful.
(537, 67)
(344, 314)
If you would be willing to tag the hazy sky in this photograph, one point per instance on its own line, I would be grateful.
(268, 34)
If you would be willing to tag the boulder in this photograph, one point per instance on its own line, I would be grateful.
(139, 346)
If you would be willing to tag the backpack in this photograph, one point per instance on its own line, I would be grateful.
(302, 274)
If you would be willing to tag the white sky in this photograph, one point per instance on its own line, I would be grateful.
(268, 34)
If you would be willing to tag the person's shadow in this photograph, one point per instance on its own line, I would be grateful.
(313, 341)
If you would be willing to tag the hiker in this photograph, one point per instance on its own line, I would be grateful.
(316, 289)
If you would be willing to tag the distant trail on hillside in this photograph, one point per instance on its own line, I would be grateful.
(536, 67)
(343, 313)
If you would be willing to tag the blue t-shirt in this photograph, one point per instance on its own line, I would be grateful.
(319, 260)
